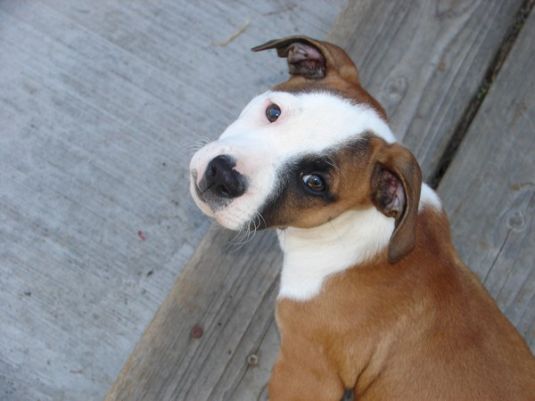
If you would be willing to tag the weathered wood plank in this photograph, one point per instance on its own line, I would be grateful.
(489, 189)
(417, 53)
(233, 308)
(101, 105)
(424, 61)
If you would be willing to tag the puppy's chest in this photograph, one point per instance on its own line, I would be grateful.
(304, 280)
(334, 309)
(314, 256)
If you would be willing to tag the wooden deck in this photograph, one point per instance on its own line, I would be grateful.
(457, 81)
(101, 106)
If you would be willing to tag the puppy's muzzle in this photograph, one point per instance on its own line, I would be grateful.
(221, 180)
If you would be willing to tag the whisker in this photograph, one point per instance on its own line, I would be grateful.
(248, 232)
(259, 215)
(193, 147)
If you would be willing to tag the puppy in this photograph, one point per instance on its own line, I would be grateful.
(373, 296)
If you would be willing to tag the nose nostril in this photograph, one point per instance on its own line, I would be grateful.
(221, 178)
(212, 170)
(223, 191)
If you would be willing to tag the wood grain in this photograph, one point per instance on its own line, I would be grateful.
(489, 189)
(102, 104)
(425, 59)
(232, 304)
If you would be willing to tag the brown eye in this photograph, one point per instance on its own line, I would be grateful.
(273, 112)
(314, 182)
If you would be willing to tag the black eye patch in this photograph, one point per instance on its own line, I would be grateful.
(298, 173)
(314, 163)
(295, 193)
(291, 194)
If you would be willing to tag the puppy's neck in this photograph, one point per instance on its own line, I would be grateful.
(313, 254)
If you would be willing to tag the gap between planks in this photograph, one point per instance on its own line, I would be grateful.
(472, 109)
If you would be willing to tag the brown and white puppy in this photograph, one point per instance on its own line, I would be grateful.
(373, 296)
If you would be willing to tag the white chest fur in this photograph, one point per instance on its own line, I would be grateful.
(310, 255)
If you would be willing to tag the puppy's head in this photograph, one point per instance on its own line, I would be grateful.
(308, 150)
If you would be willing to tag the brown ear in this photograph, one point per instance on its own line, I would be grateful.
(396, 184)
(313, 59)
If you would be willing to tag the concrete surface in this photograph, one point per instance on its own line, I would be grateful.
(101, 104)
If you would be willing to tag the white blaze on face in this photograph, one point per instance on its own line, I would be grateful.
(309, 123)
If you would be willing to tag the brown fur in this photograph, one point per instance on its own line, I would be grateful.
(341, 74)
(422, 329)
(351, 180)
(413, 323)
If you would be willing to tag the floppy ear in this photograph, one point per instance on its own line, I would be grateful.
(313, 59)
(396, 184)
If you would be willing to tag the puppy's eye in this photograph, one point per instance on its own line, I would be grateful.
(314, 182)
(273, 112)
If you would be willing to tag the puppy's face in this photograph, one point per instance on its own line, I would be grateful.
(295, 159)
(305, 152)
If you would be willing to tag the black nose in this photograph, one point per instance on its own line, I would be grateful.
(222, 180)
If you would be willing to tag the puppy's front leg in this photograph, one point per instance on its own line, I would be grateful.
(307, 378)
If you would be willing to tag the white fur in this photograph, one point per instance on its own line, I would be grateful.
(429, 198)
(309, 123)
(313, 254)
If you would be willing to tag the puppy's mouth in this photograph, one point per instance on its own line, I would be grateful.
(198, 194)
(206, 199)
(198, 191)
(200, 188)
